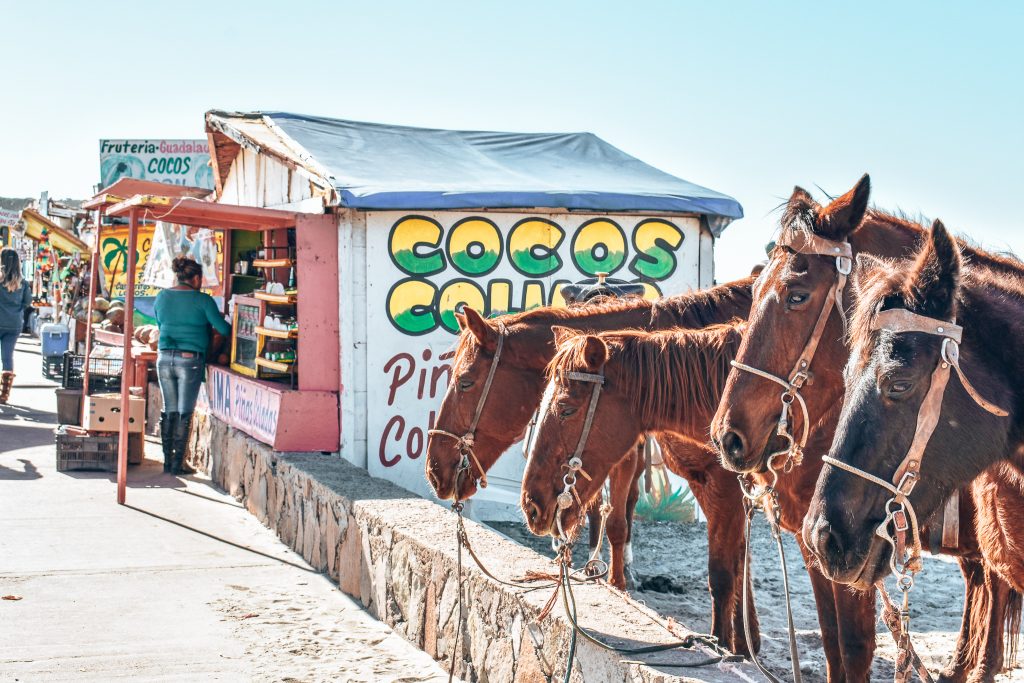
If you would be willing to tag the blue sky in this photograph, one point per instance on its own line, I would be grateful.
(748, 98)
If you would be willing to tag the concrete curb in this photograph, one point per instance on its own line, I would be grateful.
(396, 553)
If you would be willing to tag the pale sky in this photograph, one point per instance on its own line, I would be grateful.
(748, 98)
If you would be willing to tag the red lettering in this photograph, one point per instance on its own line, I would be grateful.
(398, 378)
(415, 436)
(384, 459)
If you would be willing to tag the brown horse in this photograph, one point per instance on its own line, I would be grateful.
(789, 299)
(891, 376)
(669, 382)
(516, 390)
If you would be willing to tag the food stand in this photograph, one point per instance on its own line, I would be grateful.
(272, 400)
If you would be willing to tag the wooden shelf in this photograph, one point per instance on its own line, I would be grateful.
(276, 298)
(272, 263)
(277, 334)
(274, 365)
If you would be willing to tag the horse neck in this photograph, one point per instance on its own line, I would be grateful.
(887, 236)
(991, 312)
(535, 346)
(702, 308)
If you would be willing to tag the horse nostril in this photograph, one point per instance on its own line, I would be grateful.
(532, 511)
(732, 445)
(824, 541)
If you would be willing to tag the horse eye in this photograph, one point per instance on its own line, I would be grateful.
(899, 387)
(465, 384)
(566, 411)
(797, 298)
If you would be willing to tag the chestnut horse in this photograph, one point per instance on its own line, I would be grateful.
(790, 296)
(669, 381)
(516, 390)
(895, 373)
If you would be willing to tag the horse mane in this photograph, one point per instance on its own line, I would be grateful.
(672, 376)
(550, 315)
(700, 308)
(801, 218)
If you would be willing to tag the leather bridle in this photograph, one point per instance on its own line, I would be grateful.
(899, 511)
(905, 559)
(842, 252)
(575, 464)
(465, 443)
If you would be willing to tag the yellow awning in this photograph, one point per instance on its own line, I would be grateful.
(60, 239)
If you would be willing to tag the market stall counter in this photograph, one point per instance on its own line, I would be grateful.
(269, 257)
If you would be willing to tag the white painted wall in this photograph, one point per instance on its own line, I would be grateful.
(389, 371)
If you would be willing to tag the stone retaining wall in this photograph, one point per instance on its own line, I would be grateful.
(396, 553)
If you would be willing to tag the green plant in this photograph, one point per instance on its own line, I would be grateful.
(665, 503)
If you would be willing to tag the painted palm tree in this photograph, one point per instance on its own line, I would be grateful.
(116, 256)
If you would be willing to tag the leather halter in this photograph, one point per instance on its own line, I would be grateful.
(899, 511)
(575, 464)
(465, 443)
(842, 252)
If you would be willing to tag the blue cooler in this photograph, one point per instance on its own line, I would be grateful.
(55, 339)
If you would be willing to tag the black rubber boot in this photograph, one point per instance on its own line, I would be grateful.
(182, 428)
(168, 421)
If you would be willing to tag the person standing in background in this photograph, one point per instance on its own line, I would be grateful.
(184, 315)
(15, 298)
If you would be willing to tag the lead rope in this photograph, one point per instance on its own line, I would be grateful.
(754, 499)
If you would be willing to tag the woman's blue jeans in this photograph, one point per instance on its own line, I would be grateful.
(181, 373)
(8, 338)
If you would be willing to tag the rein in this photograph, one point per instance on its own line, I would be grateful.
(843, 253)
(905, 558)
(464, 444)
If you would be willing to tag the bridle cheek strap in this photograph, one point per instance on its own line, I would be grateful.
(568, 495)
(804, 243)
(465, 443)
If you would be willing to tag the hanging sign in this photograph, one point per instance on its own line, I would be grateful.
(180, 162)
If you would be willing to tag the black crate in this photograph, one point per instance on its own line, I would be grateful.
(53, 367)
(104, 373)
(97, 451)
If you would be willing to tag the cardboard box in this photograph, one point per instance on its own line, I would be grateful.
(103, 413)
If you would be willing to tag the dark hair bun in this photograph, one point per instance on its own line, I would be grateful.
(186, 268)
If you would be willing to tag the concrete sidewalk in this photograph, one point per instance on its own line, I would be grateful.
(180, 584)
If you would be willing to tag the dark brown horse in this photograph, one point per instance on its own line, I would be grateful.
(891, 372)
(516, 390)
(790, 296)
(669, 382)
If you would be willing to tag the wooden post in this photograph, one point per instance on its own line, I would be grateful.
(128, 366)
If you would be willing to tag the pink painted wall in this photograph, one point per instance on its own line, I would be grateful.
(316, 241)
(308, 422)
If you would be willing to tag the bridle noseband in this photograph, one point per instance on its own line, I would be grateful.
(842, 252)
(465, 443)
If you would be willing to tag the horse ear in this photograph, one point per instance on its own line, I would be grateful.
(461, 320)
(562, 333)
(801, 201)
(936, 276)
(864, 266)
(844, 214)
(486, 335)
(595, 352)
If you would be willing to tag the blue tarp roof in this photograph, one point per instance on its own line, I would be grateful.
(376, 166)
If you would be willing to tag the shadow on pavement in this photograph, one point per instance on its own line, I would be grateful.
(222, 540)
(17, 437)
(28, 472)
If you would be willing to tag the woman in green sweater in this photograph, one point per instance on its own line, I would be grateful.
(184, 315)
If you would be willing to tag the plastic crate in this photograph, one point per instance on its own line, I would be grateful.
(97, 452)
(53, 367)
(104, 373)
